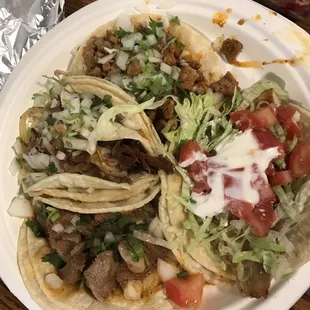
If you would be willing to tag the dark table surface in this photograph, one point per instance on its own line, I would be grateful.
(9, 302)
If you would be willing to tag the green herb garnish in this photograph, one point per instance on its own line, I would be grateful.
(153, 24)
(50, 120)
(85, 219)
(136, 248)
(52, 167)
(122, 33)
(183, 274)
(36, 228)
(54, 259)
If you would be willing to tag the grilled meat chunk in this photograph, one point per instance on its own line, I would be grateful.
(226, 85)
(231, 48)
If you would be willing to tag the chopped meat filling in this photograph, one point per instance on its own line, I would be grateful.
(226, 85)
(188, 77)
(134, 68)
(231, 48)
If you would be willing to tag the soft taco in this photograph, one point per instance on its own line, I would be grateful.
(239, 201)
(150, 56)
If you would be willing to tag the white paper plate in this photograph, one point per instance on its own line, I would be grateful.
(53, 52)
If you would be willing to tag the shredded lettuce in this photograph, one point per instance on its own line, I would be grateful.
(251, 93)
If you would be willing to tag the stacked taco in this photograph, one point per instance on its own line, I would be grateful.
(147, 173)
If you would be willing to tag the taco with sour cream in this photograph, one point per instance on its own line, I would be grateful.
(239, 202)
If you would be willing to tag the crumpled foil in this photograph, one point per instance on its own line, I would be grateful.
(22, 24)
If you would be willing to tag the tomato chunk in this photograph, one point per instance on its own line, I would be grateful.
(266, 139)
(188, 149)
(292, 129)
(266, 194)
(266, 115)
(299, 160)
(270, 171)
(186, 292)
(285, 112)
(282, 178)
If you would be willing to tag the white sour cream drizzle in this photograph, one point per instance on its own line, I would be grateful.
(241, 152)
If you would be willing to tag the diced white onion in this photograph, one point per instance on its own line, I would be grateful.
(78, 248)
(155, 60)
(121, 60)
(103, 109)
(142, 8)
(20, 207)
(141, 57)
(160, 32)
(109, 238)
(150, 239)
(155, 228)
(166, 271)
(47, 145)
(69, 229)
(110, 50)
(184, 53)
(87, 111)
(151, 39)
(74, 219)
(165, 68)
(106, 59)
(116, 79)
(55, 103)
(136, 49)
(45, 131)
(156, 54)
(133, 290)
(75, 106)
(75, 143)
(17, 147)
(86, 103)
(89, 121)
(124, 21)
(54, 281)
(49, 136)
(41, 100)
(37, 161)
(130, 40)
(58, 228)
(14, 167)
(175, 73)
(38, 176)
(85, 132)
(62, 115)
(61, 155)
(126, 82)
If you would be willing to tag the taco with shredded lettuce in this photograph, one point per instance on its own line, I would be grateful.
(239, 201)
(150, 56)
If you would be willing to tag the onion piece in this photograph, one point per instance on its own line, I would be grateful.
(133, 290)
(110, 50)
(75, 143)
(61, 155)
(165, 68)
(55, 103)
(17, 147)
(38, 176)
(58, 228)
(54, 281)
(116, 79)
(126, 81)
(166, 271)
(86, 103)
(121, 60)
(150, 239)
(141, 56)
(109, 238)
(136, 267)
(37, 161)
(155, 60)
(136, 49)
(151, 39)
(20, 207)
(47, 145)
(106, 59)
(129, 41)
(124, 21)
(14, 167)
(85, 132)
(62, 115)
(142, 8)
(156, 53)
(175, 73)
(74, 219)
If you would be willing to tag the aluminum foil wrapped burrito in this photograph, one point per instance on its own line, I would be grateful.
(22, 24)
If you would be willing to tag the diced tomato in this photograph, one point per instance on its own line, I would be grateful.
(188, 149)
(195, 172)
(270, 171)
(261, 219)
(244, 120)
(186, 292)
(285, 112)
(266, 194)
(266, 115)
(299, 160)
(282, 178)
(266, 139)
(292, 129)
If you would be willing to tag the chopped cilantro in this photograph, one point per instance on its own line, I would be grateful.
(193, 201)
(36, 228)
(175, 20)
(153, 24)
(179, 43)
(50, 120)
(159, 88)
(106, 101)
(54, 259)
(85, 219)
(144, 45)
(96, 250)
(52, 167)
(136, 248)
(183, 274)
(122, 33)
(123, 222)
(82, 283)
